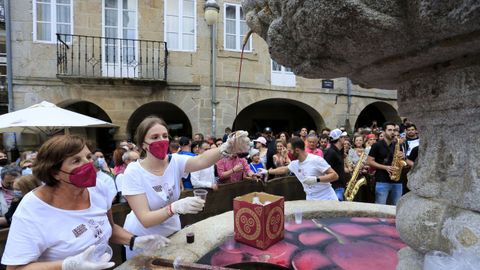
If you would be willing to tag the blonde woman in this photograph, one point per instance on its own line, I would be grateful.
(152, 186)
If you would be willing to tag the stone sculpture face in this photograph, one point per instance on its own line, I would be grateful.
(375, 43)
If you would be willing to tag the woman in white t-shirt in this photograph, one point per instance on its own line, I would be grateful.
(152, 185)
(59, 224)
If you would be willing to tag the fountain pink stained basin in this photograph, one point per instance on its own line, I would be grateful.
(367, 243)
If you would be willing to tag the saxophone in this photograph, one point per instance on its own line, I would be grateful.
(353, 184)
(397, 164)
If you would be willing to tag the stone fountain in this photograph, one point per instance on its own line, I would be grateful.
(430, 52)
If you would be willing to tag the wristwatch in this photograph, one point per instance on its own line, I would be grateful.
(318, 179)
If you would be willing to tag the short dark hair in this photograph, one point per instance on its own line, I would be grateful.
(409, 125)
(323, 136)
(201, 136)
(297, 143)
(200, 144)
(184, 141)
(52, 154)
(388, 123)
(195, 144)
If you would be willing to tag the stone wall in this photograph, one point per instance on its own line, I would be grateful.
(188, 83)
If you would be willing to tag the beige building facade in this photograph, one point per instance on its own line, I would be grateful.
(78, 75)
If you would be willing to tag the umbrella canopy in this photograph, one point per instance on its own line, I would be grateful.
(47, 118)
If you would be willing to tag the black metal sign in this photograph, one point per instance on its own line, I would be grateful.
(327, 84)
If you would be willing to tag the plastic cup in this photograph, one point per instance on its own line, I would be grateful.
(298, 216)
(101, 253)
(200, 193)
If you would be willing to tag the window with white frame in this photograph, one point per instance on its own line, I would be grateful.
(180, 24)
(51, 17)
(235, 28)
(120, 32)
(282, 76)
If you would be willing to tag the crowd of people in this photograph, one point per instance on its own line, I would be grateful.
(369, 149)
(68, 183)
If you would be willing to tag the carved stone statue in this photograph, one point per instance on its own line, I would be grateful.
(430, 52)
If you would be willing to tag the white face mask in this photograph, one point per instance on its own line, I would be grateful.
(27, 171)
(101, 161)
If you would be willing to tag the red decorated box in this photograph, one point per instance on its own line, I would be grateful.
(259, 225)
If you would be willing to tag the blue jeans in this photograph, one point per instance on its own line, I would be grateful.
(339, 192)
(383, 190)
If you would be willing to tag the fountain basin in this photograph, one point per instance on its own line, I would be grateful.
(212, 232)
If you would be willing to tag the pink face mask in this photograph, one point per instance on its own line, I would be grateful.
(83, 176)
(159, 149)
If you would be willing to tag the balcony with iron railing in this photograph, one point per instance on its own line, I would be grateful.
(90, 57)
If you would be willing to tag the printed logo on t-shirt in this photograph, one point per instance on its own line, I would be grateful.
(96, 228)
(79, 230)
(166, 191)
(158, 188)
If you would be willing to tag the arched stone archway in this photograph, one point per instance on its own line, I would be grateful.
(379, 111)
(279, 114)
(178, 122)
(102, 138)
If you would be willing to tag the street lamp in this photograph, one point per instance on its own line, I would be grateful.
(211, 12)
(211, 17)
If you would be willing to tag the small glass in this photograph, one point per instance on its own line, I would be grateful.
(189, 234)
(101, 253)
(298, 216)
(230, 242)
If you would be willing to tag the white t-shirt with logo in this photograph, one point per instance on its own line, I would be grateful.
(159, 190)
(41, 232)
(313, 166)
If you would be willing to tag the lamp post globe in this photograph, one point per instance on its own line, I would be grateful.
(211, 12)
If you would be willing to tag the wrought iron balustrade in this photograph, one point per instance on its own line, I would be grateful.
(103, 57)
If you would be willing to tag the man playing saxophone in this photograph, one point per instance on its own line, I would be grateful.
(381, 157)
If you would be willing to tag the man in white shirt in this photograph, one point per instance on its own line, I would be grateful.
(312, 171)
(204, 178)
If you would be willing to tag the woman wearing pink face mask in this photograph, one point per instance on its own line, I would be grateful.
(60, 224)
(152, 185)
